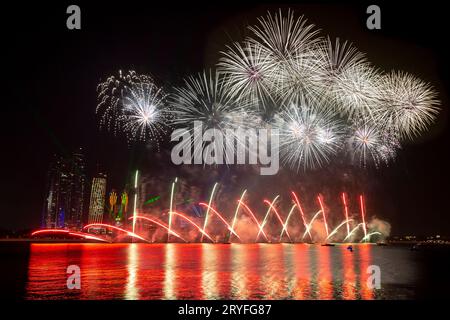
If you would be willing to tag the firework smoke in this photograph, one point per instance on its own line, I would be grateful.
(381, 226)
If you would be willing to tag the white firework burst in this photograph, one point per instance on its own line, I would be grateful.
(298, 78)
(334, 59)
(356, 92)
(287, 43)
(206, 99)
(249, 74)
(110, 93)
(308, 139)
(369, 144)
(390, 146)
(144, 114)
(284, 37)
(407, 104)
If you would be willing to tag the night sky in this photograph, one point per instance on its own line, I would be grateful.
(51, 74)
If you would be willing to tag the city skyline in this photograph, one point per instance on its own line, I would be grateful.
(73, 198)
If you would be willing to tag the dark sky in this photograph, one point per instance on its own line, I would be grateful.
(51, 75)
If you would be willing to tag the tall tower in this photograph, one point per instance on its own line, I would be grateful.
(74, 217)
(52, 196)
(97, 202)
(64, 198)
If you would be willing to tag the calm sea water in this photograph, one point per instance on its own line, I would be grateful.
(34, 271)
(216, 271)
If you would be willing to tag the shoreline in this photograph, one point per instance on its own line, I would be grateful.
(62, 241)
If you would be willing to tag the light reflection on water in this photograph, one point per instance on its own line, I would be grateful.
(210, 271)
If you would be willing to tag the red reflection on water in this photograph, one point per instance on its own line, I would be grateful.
(146, 271)
(273, 280)
(198, 271)
(186, 281)
(238, 276)
(302, 287)
(169, 272)
(47, 271)
(245, 268)
(324, 276)
(223, 262)
(349, 277)
(209, 271)
(365, 260)
(98, 271)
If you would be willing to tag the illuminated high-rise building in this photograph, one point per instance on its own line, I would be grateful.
(97, 202)
(74, 218)
(65, 192)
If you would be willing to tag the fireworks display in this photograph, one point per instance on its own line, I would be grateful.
(284, 37)
(134, 105)
(307, 138)
(143, 112)
(408, 104)
(372, 145)
(110, 94)
(244, 225)
(291, 151)
(325, 98)
(208, 99)
(249, 74)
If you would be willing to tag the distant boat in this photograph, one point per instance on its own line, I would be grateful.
(328, 245)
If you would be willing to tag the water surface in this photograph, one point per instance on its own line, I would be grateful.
(219, 271)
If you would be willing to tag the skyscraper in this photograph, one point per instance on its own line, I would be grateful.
(65, 192)
(74, 219)
(97, 202)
